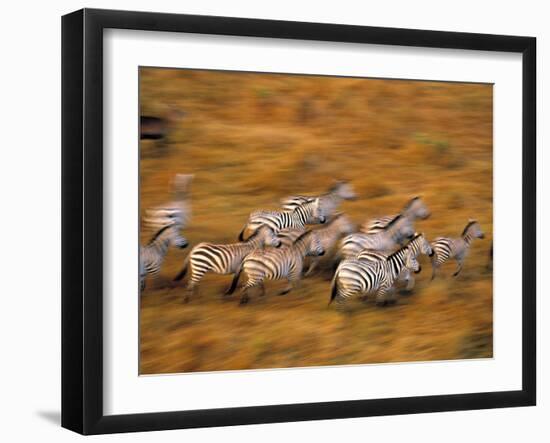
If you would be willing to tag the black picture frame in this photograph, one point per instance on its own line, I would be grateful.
(82, 220)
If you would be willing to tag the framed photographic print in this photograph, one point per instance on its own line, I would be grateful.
(269, 221)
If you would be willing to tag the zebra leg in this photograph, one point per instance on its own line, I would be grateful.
(383, 295)
(190, 291)
(244, 292)
(435, 267)
(460, 263)
(262, 289)
(312, 266)
(293, 280)
(287, 289)
(410, 283)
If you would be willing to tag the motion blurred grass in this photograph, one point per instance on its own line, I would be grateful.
(251, 139)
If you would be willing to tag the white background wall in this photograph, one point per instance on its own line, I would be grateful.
(30, 91)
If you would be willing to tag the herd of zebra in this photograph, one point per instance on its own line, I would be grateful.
(276, 245)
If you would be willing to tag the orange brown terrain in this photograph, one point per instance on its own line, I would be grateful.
(252, 139)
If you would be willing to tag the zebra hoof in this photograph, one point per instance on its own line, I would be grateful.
(286, 291)
(381, 304)
(243, 301)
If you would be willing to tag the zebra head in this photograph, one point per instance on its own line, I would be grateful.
(344, 190)
(309, 244)
(317, 214)
(177, 240)
(343, 224)
(400, 228)
(266, 237)
(473, 230)
(416, 208)
(314, 247)
(422, 245)
(411, 263)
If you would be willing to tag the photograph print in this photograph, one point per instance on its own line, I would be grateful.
(294, 221)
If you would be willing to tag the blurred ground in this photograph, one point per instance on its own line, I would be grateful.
(251, 139)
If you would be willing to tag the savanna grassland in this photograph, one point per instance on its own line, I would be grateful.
(251, 139)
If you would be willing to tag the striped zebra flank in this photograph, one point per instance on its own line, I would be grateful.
(276, 264)
(222, 259)
(448, 248)
(329, 202)
(386, 240)
(358, 277)
(302, 215)
(152, 255)
(414, 210)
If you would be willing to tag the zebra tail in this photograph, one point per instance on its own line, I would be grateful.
(184, 269)
(234, 282)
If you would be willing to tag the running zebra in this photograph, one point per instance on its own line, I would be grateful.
(329, 201)
(276, 264)
(356, 277)
(222, 259)
(418, 245)
(152, 255)
(415, 209)
(329, 235)
(305, 214)
(176, 211)
(385, 240)
(446, 248)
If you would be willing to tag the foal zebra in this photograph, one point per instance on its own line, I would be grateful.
(356, 277)
(222, 259)
(418, 245)
(329, 201)
(276, 264)
(152, 255)
(413, 210)
(305, 214)
(446, 248)
(385, 240)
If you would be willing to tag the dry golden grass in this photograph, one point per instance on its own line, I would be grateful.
(251, 139)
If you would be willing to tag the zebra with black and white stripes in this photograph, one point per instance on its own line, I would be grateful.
(385, 240)
(418, 245)
(355, 277)
(276, 264)
(177, 211)
(222, 259)
(446, 248)
(329, 201)
(329, 235)
(414, 210)
(151, 256)
(302, 215)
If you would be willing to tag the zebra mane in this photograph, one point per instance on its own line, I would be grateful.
(409, 244)
(333, 219)
(160, 231)
(399, 251)
(470, 223)
(410, 203)
(309, 231)
(336, 185)
(257, 232)
(393, 222)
